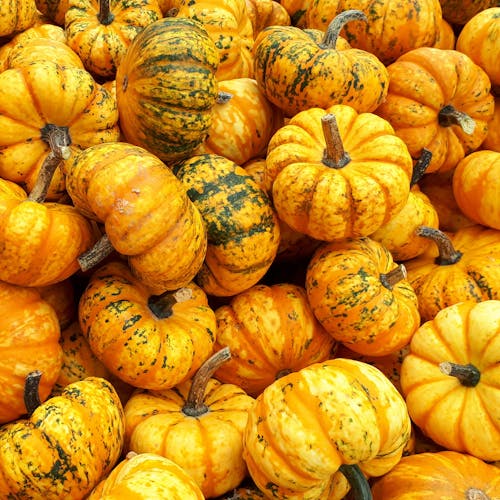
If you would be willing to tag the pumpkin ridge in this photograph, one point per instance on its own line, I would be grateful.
(495, 424)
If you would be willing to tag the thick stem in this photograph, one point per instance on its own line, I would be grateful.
(334, 155)
(392, 278)
(421, 166)
(195, 406)
(475, 494)
(105, 16)
(447, 253)
(449, 116)
(335, 27)
(359, 484)
(161, 305)
(223, 97)
(467, 375)
(101, 249)
(31, 391)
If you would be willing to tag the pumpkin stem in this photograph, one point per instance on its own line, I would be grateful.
(359, 485)
(283, 373)
(195, 406)
(468, 375)
(223, 97)
(90, 258)
(105, 16)
(161, 305)
(31, 391)
(447, 253)
(334, 155)
(421, 166)
(449, 116)
(475, 494)
(393, 277)
(338, 22)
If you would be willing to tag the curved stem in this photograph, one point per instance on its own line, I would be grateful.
(421, 166)
(449, 116)
(31, 391)
(359, 484)
(105, 16)
(161, 305)
(467, 375)
(393, 277)
(195, 406)
(338, 22)
(223, 97)
(334, 155)
(447, 253)
(101, 249)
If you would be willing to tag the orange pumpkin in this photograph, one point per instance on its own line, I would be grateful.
(264, 13)
(16, 16)
(61, 296)
(458, 12)
(492, 140)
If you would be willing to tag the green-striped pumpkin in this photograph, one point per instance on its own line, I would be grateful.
(242, 227)
(166, 87)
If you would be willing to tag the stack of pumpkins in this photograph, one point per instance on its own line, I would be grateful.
(264, 251)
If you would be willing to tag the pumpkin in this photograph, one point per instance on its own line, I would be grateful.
(443, 474)
(450, 378)
(296, 10)
(459, 266)
(391, 29)
(492, 140)
(439, 100)
(41, 100)
(299, 69)
(264, 13)
(361, 297)
(242, 227)
(309, 427)
(166, 87)
(445, 38)
(198, 424)
(336, 173)
(53, 10)
(61, 296)
(476, 187)
(229, 26)
(148, 341)
(458, 12)
(66, 446)
(16, 16)
(100, 31)
(146, 213)
(270, 331)
(145, 476)
(29, 338)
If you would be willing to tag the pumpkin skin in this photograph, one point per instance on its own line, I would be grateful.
(473, 276)
(305, 425)
(61, 296)
(476, 187)
(443, 474)
(424, 82)
(299, 69)
(460, 417)
(67, 445)
(29, 336)
(460, 11)
(144, 476)
(445, 38)
(116, 318)
(264, 13)
(492, 140)
(100, 37)
(349, 296)
(16, 16)
(243, 237)
(334, 203)
(146, 213)
(270, 331)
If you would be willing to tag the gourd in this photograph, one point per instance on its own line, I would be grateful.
(16, 16)
(458, 12)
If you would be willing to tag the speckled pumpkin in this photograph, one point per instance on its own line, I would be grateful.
(460, 11)
(307, 426)
(16, 16)
(242, 227)
(439, 100)
(264, 13)
(336, 183)
(66, 446)
(166, 87)
(298, 69)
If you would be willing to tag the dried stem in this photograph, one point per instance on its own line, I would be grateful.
(223, 97)
(338, 22)
(467, 375)
(161, 305)
(334, 155)
(447, 253)
(449, 116)
(90, 258)
(392, 278)
(105, 16)
(421, 166)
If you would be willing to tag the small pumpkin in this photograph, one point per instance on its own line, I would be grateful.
(445, 38)
(264, 13)
(16, 16)
(297, 10)
(458, 12)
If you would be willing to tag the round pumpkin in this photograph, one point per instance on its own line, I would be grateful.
(16, 16)
(264, 13)
(450, 378)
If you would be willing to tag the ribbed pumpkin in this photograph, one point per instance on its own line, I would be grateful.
(166, 87)
(460, 11)
(242, 227)
(53, 10)
(444, 474)
(198, 424)
(460, 266)
(445, 38)
(439, 100)
(145, 210)
(67, 445)
(100, 31)
(16, 16)
(335, 173)
(270, 331)
(450, 378)
(361, 297)
(146, 476)
(309, 427)
(229, 26)
(297, 10)
(264, 13)
(299, 69)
